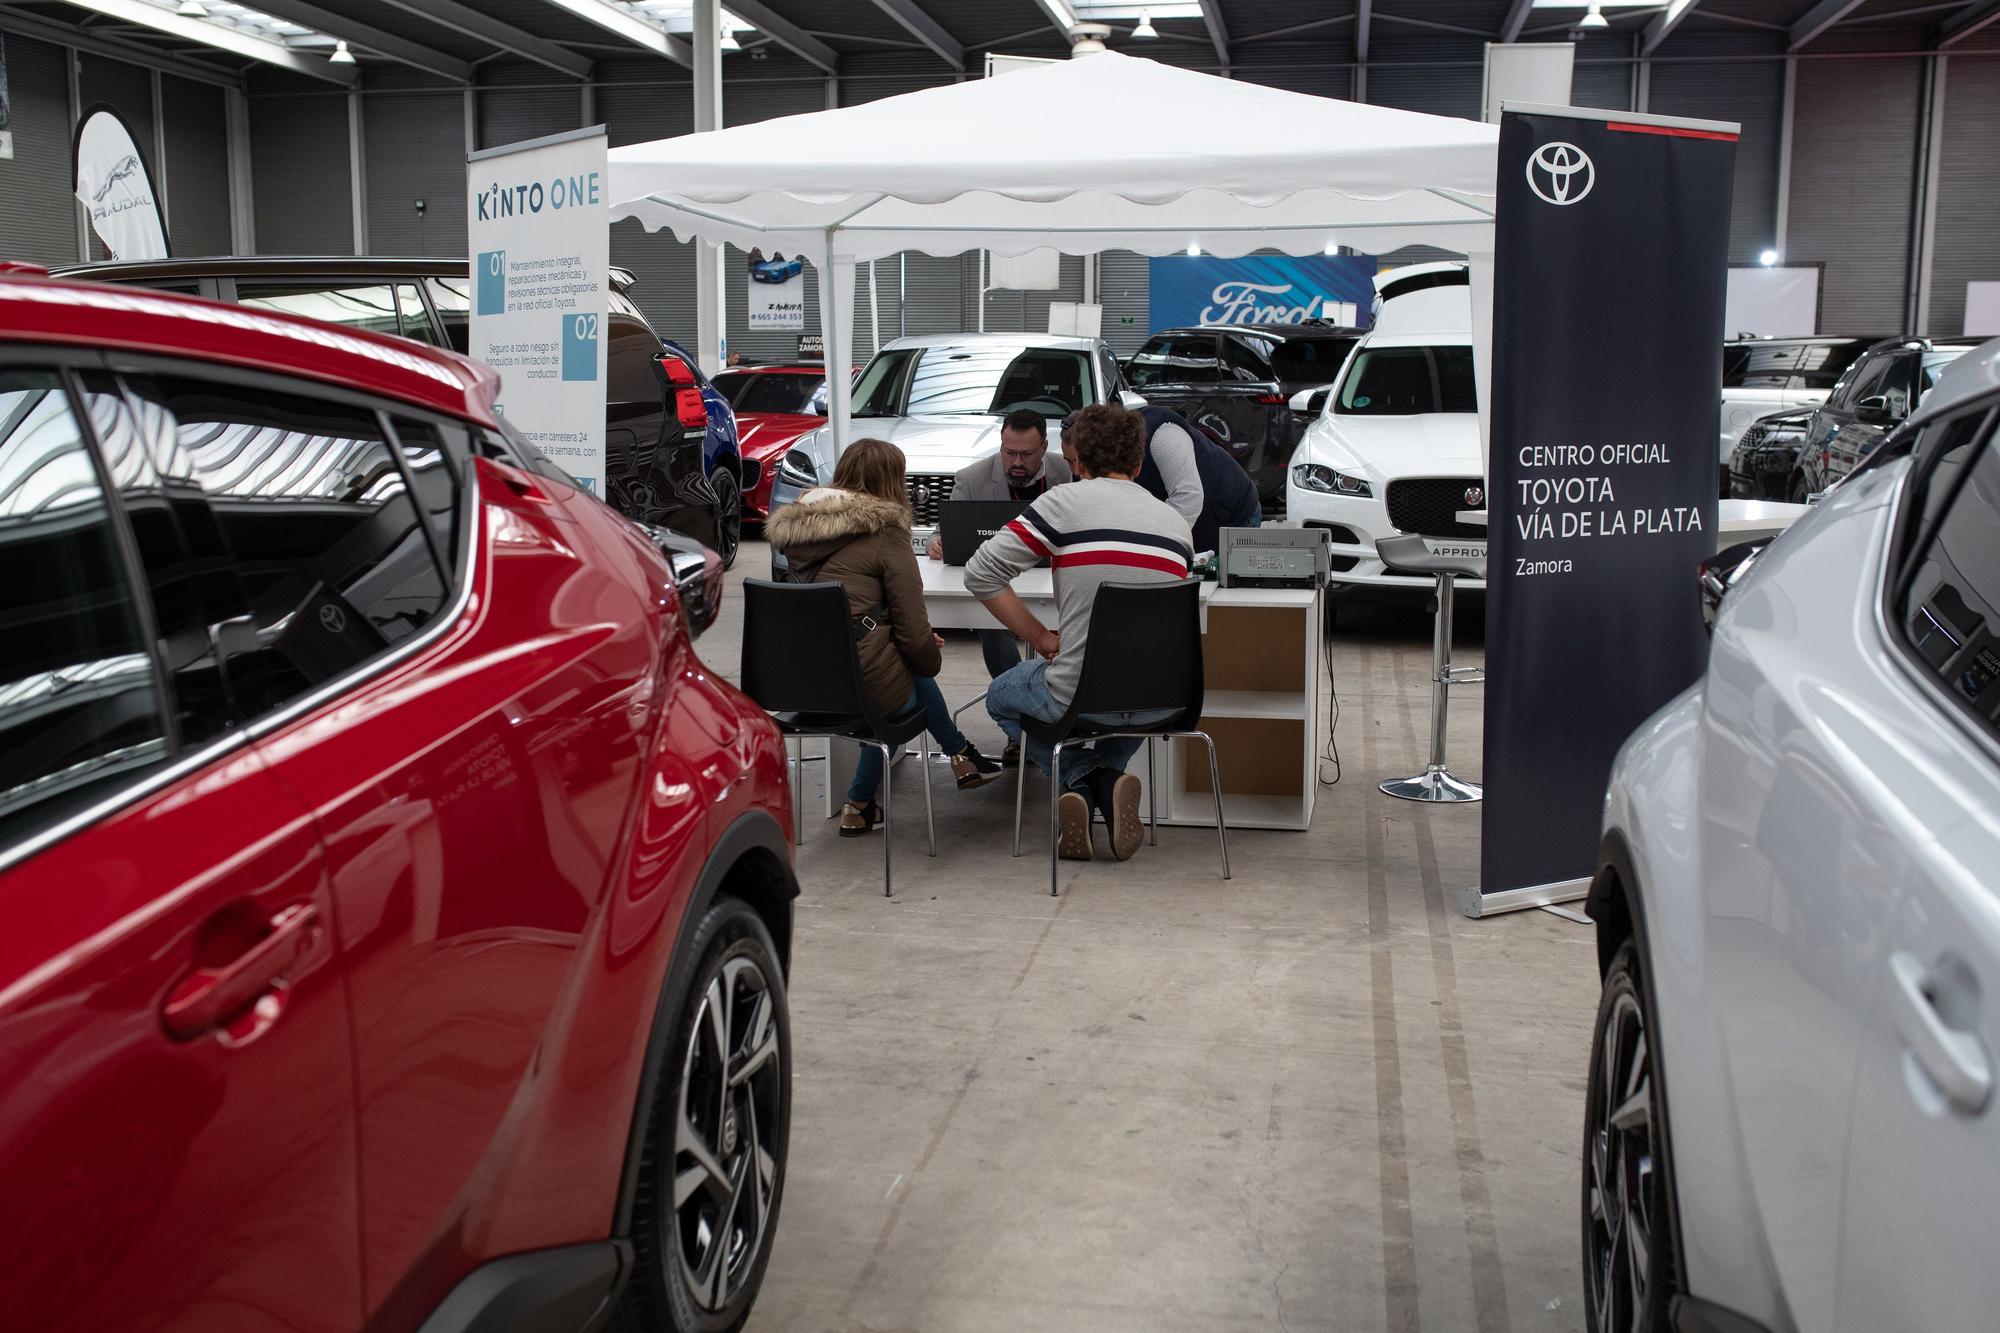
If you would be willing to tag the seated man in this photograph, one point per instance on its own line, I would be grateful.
(1197, 476)
(1104, 528)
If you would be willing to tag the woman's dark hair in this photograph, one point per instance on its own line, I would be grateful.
(872, 467)
(1027, 418)
(1107, 438)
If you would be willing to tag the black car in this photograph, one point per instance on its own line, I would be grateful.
(1766, 463)
(1237, 382)
(655, 419)
(1875, 396)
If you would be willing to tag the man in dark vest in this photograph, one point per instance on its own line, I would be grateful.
(1196, 476)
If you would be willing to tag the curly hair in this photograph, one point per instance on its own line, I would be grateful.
(1108, 438)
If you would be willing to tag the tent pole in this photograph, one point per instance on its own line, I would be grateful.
(1480, 273)
(836, 327)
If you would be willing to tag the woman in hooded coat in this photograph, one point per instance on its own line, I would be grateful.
(856, 532)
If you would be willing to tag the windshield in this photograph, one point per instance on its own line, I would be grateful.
(974, 380)
(792, 394)
(1404, 381)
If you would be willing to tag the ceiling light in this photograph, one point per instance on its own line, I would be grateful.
(729, 42)
(1768, 258)
(1594, 20)
(206, 31)
(341, 55)
(1145, 32)
(192, 9)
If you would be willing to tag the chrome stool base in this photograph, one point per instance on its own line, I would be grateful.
(1435, 785)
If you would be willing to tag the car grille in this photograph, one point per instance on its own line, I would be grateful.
(1428, 506)
(927, 491)
(1752, 437)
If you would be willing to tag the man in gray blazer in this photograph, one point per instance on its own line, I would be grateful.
(1022, 469)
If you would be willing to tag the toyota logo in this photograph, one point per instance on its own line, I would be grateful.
(1560, 173)
(1474, 497)
(332, 618)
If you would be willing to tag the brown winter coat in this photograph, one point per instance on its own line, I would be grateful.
(865, 544)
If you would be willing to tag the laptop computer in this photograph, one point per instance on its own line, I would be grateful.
(967, 523)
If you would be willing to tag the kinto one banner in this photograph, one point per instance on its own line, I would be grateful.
(1612, 255)
(541, 261)
(1259, 289)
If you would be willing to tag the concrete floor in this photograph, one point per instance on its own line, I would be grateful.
(1313, 1097)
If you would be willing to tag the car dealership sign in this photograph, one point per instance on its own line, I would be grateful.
(541, 261)
(1260, 289)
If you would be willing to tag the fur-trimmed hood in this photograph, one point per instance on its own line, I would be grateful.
(826, 518)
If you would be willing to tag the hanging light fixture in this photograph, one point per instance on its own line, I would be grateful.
(341, 55)
(1594, 21)
(1145, 32)
(729, 42)
(192, 9)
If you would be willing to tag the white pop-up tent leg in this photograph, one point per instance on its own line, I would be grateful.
(836, 328)
(1480, 275)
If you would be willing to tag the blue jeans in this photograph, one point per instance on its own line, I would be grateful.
(937, 713)
(1001, 650)
(1024, 692)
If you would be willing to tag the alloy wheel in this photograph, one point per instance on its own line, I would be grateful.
(725, 1167)
(728, 514)
(1623, 1175)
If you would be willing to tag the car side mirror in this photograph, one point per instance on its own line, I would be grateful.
(697, 576)
(1310, 402)
(1131, 401)
(1721, 572)
(1874, 408)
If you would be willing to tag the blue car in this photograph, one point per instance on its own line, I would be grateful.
(776, 269)
(721, 456)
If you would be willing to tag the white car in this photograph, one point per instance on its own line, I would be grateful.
(1791, 1121)
(1395, 445)
(1765, 375)
(941, 398)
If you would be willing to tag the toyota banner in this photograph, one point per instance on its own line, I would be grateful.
(1610, 267)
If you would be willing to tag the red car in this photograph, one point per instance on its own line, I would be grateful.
(774, 406)
(396, 911)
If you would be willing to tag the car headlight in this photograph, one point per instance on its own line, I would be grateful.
(1327, 481)
(797, 468)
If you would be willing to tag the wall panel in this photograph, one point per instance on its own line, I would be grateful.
(197, 121)
(37, 214)
(298, 164)
(1967, 247)
(415, 150)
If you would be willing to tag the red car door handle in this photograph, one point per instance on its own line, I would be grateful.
(208, 997)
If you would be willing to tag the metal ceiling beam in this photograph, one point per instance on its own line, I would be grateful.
(1517, 19)
(1664, 23)
(235, 41)
(1966, 22)
(1363, 12)
(786, 34)
(1821, 17)
(1060, 14)
(1218, 31)
(470, 22)
(99, 42)
(925, 29)
(628, 25)
(414, 54)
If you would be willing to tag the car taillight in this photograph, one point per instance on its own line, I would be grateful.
(691, 410)
(1270, 400)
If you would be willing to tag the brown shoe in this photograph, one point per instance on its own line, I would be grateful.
(1121, 813)
(858, 821)
(1073, 842)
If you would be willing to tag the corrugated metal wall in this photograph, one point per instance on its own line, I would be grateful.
(298, 163)
(1854, 154)
(518, 99)
(37, 218)
(1968, 234)
(414, 146)
(1721, 85)
(197, 121)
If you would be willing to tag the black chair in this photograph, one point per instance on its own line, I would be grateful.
(1411, 554)
(800, 665)
(1145, 654)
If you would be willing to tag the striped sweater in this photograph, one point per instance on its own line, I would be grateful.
(1092, 533)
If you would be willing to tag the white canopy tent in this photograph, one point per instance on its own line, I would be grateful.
(1052, 157)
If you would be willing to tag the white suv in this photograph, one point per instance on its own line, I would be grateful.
(1790, 1122)
(1395, 445)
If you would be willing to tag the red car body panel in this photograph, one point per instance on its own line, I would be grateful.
(499, 836)
(765, 436)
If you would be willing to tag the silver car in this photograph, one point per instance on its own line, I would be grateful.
(1790, 1119)
(941, 398)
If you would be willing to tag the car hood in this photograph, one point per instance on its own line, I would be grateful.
(929, 444)
(1434, 444)
(761, 433)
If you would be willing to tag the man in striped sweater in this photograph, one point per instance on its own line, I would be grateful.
(1103, 528)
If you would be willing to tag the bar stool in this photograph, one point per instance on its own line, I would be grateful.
(1412, 555)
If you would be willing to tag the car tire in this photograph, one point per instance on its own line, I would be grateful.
(1629, 1224)
(728, 510)
(698, 1264)
(1796, 492)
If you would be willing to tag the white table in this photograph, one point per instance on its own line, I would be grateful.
(1735, 520)
(950, 606)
